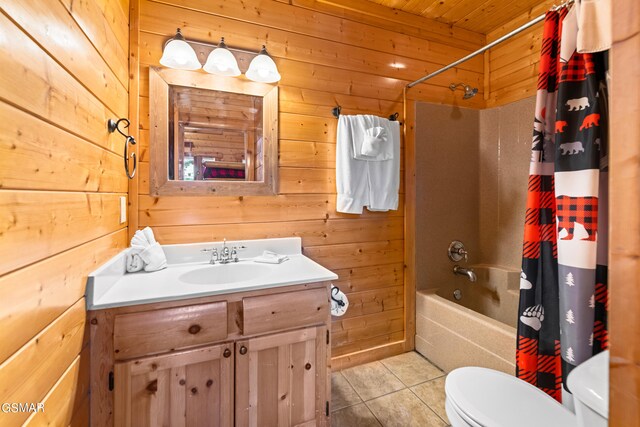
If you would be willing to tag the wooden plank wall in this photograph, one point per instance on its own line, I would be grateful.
(65, 72)
(511, 68)
(327, 55)
(624, 185)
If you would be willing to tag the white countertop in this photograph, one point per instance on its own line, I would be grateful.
(110, 286)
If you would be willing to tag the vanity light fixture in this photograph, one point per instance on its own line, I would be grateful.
(179, 55)
(263, 69)
(221, 61)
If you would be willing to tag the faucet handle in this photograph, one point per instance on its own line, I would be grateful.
(214, 254)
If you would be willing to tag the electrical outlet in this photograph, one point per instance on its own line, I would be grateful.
(123, 209)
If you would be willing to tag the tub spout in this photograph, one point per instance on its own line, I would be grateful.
(471, 275)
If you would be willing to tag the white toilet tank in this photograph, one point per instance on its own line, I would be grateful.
(589, 383)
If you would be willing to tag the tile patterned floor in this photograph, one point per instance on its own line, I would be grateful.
(401, 391)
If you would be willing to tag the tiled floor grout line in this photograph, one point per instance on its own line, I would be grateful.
(373, 413)
(354, 389)
(362, 400)
(429, 406)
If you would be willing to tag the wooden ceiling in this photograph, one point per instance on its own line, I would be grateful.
(481, 16)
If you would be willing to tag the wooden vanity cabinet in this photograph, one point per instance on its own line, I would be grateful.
(258, 358)
(280, 379)
(178, 389)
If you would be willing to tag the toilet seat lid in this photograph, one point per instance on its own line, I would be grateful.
(495, 399)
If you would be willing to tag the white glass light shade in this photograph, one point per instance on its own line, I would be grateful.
(179, 55)
(263, 69)
(221, 62)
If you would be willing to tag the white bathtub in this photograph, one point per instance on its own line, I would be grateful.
(478, 330)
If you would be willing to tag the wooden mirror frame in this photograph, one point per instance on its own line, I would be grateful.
(159, 183)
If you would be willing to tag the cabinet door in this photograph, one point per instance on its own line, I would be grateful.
(182, 389)
(281, 379)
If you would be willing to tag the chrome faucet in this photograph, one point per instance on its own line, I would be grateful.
(471, 275)
(225, 255)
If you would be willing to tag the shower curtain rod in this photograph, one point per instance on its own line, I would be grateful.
(490, 45)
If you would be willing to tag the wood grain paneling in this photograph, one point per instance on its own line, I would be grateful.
(68, 396)
(29, 374)
(358, 57)
(474, 15)
(624, 222)
(61, 179)
(511, 71)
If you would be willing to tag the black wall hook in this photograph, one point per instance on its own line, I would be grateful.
(114, 125)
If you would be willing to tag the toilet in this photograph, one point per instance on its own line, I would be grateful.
(480, 397)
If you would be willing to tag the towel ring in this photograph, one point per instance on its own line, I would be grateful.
(338, 301)
(114, 125)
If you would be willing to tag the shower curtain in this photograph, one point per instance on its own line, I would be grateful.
(563, 286)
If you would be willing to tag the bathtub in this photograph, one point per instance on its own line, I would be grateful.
(477, 330)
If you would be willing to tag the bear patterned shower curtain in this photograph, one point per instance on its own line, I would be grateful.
(563, 285)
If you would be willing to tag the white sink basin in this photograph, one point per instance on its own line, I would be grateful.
(222, 274)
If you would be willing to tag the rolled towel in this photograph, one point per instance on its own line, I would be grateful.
(148, 250)
(269, 257)
(134, 262)
(154, 258)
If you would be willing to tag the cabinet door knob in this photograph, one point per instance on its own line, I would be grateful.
(226, 352)
(194, 329)
(243, 350)
(307, 366)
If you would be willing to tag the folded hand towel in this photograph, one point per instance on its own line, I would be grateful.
(376, 144)
(269, 257)
(154, 258)
(145, 247)
(370, 138)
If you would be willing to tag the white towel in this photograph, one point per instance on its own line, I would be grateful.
(362, 183)
(134, 262)
(594, 25)
(145, 247)
(269, 257)
(376, 145)
(370, 139)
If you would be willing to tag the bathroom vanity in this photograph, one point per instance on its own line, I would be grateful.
(253, 350)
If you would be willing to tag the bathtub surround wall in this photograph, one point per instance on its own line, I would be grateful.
(61, 179)
(505, 147)
(471, 168)
(447, 198)
(327, 55)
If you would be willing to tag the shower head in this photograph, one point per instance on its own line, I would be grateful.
(469, 92)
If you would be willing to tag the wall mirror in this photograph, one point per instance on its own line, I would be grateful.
(211, 135)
